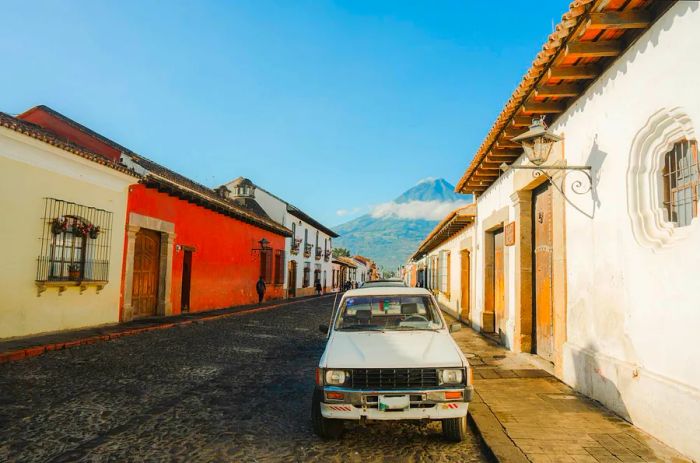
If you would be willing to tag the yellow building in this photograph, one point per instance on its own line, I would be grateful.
(62, 224)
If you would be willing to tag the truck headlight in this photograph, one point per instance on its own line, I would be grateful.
(335, 377)
(451, 376)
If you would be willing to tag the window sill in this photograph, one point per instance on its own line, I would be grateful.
(62, 285)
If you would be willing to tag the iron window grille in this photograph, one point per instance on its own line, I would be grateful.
(75, 243)
(681, 183)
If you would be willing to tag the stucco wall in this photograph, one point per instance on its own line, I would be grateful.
(452, 302)
(29, 172)
(224, 267)
(633, 309)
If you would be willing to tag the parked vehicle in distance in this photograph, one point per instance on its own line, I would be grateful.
(390, 356)
(397, 283)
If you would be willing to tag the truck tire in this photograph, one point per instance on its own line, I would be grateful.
(325, 428)
(454, 429)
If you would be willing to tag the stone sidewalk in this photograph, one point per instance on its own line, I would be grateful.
(525, 414)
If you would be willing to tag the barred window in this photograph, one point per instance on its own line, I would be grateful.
(681, 186)
(444, 272)
(75, 243)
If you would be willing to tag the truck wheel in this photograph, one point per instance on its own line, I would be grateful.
(325, 428)
(454, 429)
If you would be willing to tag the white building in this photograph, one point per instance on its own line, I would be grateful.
(447, 254)
(602, 284)
(308, 252)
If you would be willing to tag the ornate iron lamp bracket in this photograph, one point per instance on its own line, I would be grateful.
(578, 186)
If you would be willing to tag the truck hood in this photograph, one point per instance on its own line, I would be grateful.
(391, 349)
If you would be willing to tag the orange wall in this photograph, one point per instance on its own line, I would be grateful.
(224, 267)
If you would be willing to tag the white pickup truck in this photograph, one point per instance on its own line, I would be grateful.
(390, 356)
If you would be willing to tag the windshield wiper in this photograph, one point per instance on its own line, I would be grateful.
(360, 328)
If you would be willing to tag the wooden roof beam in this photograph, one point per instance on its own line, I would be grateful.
(504, 143)
(550, 107)
(573, 72)
(619, 20)
(593, 49)
(562, 90)
(521, 121)
(511, 132)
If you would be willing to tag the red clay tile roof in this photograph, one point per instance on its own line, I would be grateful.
(453, 223)
(158, 174)
(36, 132)
(544, 90)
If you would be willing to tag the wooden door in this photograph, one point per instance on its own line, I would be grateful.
(542, 259)
(464, 285)
(499, 294)
(186, 281)
(292, 279)
(144, 298)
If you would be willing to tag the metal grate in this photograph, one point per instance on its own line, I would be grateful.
(681, 175)
(393, 378)
(75, 242)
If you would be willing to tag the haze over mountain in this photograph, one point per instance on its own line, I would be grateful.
(392, 231)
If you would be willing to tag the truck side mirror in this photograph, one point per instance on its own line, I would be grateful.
(455, 327)
(323, 329)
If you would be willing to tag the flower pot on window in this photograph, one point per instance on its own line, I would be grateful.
(94, 231)
(74, 272)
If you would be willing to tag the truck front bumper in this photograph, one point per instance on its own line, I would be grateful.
(424, 404)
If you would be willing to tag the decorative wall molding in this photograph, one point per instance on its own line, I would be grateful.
(644, 183)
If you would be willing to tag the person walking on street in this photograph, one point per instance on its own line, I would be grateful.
(317, 285)
(260, 288)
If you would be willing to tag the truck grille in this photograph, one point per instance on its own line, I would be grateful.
(393, 378)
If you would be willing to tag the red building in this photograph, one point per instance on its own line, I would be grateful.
(186, 246)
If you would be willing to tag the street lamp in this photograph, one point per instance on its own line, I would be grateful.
(537, 144)
(264, 245)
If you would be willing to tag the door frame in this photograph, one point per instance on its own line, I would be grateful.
(292, 278)
(465, 285)
(167, 242)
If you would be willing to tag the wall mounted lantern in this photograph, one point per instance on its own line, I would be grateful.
(264, 245)
(537, 144)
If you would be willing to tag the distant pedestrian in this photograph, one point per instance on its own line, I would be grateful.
(260, 288)
(317, 285)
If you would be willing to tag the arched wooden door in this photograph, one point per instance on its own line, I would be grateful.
(292, 279)
(144, 298)
(464, 285)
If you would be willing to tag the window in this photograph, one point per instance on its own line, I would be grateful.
(307, 274)
(279, 267)
(266, 265)
(444, 272)
(294, 231)
(680, 183)
(75, 243)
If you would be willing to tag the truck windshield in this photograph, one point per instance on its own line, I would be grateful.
(396, 313)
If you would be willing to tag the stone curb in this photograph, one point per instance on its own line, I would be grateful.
(497, 442)
(34, 351)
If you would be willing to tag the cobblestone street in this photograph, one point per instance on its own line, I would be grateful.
(233, 389)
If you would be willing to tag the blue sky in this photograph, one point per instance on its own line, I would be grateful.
(331, 105)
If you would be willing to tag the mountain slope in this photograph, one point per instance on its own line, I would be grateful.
(393, 231)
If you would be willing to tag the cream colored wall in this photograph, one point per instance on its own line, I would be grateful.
(463, 240)
(30, 171)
